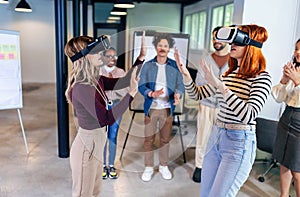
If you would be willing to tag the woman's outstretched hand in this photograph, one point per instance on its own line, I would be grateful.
(134, 80)
(285, 78)
(211, 78)
(143, 51)
(183, 70)
(292, 72)
(209, 74)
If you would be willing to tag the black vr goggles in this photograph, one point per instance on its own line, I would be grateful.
(98, 45)
(235, 36)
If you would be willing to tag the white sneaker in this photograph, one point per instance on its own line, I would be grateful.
(147, 174)
(165, 172)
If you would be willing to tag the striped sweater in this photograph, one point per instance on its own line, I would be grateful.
(244, 100)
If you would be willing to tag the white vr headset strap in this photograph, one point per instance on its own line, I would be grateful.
(229, 34)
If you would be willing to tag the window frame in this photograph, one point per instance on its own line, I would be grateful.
(208, 10)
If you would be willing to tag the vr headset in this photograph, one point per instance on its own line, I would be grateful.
(98, 45)
(235, 36)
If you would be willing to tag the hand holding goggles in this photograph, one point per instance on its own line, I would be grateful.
(236, 36)
(98, 45)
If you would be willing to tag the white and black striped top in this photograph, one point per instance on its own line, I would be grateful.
(244, 100)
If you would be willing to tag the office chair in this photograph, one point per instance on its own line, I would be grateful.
(265, 133)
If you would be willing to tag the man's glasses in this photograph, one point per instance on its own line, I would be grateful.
(111, 57)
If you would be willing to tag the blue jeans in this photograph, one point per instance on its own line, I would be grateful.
(228, 161)
(112, 134)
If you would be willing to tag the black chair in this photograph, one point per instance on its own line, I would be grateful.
(265, 133)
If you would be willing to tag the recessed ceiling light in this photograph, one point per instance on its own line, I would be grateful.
(4, 1)
(114, 17)
(118, 11)
(124, 4)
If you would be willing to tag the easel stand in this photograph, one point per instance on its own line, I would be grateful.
(177, 124)
(23, 132)
(180, 134)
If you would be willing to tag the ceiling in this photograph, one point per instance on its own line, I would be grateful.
(105, 6)
(184, 2)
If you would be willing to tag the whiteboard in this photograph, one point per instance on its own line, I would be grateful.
(181, 42)
(10, 70)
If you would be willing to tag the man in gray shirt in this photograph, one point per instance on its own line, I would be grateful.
(208, 108)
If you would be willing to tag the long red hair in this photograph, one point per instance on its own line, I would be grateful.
(253, 62)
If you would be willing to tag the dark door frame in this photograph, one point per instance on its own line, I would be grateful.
(120, 27)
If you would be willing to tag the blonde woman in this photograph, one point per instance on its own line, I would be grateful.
(86, 93)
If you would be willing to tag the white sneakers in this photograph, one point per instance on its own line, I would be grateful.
(165, 172)
(147, 174)
(149, 171)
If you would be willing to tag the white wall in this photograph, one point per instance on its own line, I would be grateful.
(37, 37)
(281, 20)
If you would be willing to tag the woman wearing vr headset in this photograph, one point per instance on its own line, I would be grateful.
(241, 92)
(86, 93)
(287, 149)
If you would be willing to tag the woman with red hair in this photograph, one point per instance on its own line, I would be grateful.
(241, 93)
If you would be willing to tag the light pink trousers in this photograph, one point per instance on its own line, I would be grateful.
(86, 162)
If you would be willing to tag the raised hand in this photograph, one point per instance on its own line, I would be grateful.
(143, 51)
(211, 78)
(182, 68)
(209, 74)
(134, 83)
(285, 78)
(292, 72)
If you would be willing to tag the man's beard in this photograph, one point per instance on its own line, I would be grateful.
(218, 48)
